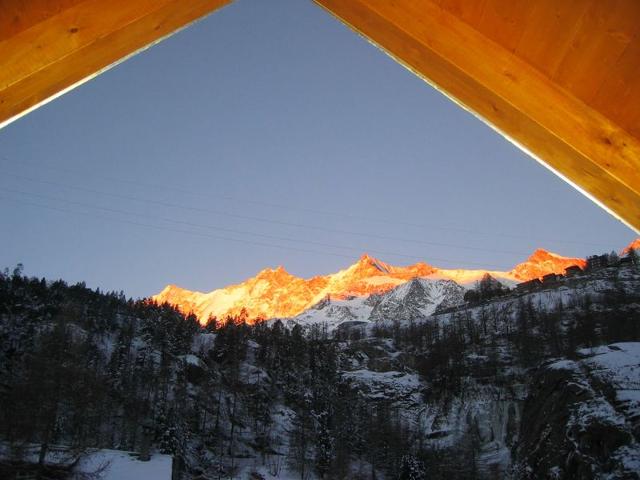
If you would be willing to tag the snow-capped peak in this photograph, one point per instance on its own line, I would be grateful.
(274, 274)
(275, 293)
(635, 245)
(366, 261)
(542, 262)
(415, 299)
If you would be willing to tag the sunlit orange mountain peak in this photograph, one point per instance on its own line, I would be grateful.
(278, 275)
(370, 275)
(541, 262)
(275, 293)
(186, 300)
(635, 245)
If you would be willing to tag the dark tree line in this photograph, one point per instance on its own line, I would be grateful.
(89, 369)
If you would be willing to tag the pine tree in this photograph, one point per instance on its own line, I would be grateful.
(411, 469)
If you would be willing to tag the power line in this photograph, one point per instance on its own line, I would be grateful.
(239, 232)
(157, 227)
(265, 220)
(309, 210)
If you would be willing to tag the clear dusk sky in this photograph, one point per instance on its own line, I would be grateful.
(269, 134)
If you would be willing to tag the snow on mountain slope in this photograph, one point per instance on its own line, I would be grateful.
(618, 365)
(332, 313)
(412, 300)
(541, 263)
(635, 245)
(418, 298)
(567, 291)
(275, 293)
(468, 278)
(583, 416)
(371, 276)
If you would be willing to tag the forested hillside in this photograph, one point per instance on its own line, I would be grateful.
(464, 393)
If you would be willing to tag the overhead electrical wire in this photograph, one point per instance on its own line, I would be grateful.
(211, 227)
(306, 210)
(157, 227)
(262, 219)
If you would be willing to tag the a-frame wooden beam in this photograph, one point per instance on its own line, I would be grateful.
(560, 79)
(49, 46)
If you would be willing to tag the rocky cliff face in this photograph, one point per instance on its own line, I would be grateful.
(417, 299)
(411, 301)
(581, 419)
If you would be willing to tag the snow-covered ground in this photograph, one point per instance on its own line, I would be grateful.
(595, 410)
(95, 464)
(57, 456)
(618, 365)
(120, 465)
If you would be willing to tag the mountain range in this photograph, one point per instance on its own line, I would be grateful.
(275, 293)
(413, 300)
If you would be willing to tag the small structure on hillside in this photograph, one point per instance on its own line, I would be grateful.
(626, 261)
(573, 271)
(597, 262)
(529, 285)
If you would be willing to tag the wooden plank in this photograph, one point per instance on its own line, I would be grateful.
(630, 113)
(469, 12)
(577, 142)
(77, 42)
(548, 33)
(619, 95)
(502, 21)
(606, 29)
(18, 15)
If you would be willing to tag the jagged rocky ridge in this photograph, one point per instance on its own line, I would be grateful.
(275, 293)
(414, 300)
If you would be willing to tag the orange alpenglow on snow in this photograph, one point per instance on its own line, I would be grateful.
(635, 245)
(541, 263)
(275, 293)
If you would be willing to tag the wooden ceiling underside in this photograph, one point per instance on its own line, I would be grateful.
(48, 46)
(560, 78)
(591, 48)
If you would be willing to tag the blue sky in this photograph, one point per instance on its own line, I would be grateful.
(269, 134)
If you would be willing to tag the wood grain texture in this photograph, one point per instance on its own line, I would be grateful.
(606, 28)
(548, 32)
(47, 47)
(618, 97)
(578, 141)
(18, 15)
(579, 44)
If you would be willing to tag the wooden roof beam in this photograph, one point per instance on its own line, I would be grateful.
(49, 46)
(576, 141)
